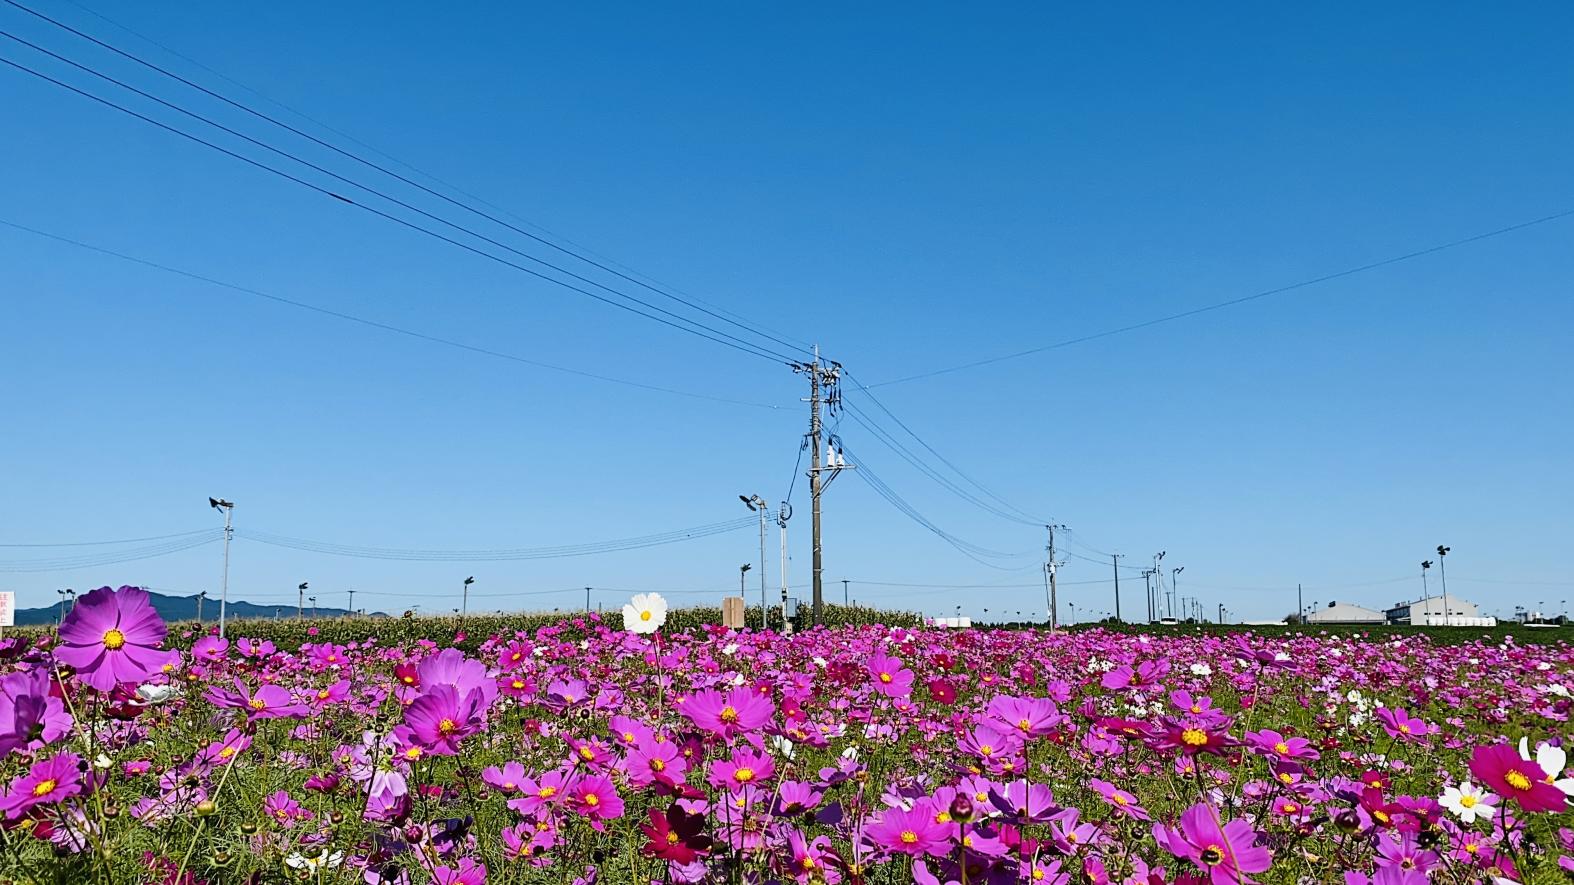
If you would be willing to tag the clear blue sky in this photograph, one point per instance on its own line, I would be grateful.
(911, 186)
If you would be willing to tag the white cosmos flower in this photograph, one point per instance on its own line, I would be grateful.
(784, 746)
(645, 613)
(313, 864)
(156, 694)
(1468, 802)
(1552, 760)
(1201, 669)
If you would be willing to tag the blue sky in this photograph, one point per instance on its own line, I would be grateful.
(909, 186)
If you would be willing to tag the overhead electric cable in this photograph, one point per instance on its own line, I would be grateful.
(755, 330)
(376, 324)
(676, 322)
(1351, 271)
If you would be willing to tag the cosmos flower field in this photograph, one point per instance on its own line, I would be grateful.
(578, 753)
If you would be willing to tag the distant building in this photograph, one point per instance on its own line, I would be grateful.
(1346, 613)
(1439, 611)
(954, 623)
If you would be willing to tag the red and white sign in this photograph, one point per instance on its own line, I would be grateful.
(7, 608)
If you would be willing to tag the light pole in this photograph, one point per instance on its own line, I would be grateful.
(742, 571)
(352, 602)
(1073, 613)
(1442, 575)
(229, 532)
(783, 514)
(65, 594)
(300, 601)
(758, 504)
(844, 592)
(313, 601)
(464, 605)
(1175, 583)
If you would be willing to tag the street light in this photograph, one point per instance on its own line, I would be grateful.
(313, 601)
(1175, 581)
(300, 601)
(759, 505)
(229, 532)
(743, 570)
(465, 605)
(1442, 575)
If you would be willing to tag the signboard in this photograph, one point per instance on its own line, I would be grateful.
(7, 608)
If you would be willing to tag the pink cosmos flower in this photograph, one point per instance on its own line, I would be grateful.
(1124, 803)
(739, 711)
(1272, 744)
(914, 832)
(467, 872)
(745, 768)
(30, 712)
(549, 790)
(209, 649)
(1031, 717)
(1500, 767)
(890, 677)
(596, 798)
(651, 763)
(1225, 853)
(1399, 724)
(112, 636)
(284, 810)
(506, 779)
(439, 719)
(266, 702)
(46, 782)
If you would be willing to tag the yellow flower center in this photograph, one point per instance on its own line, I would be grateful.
(807, 863)
(586, 753)
(413, 753)
(1038, 875)
(227, 752)
(1467, 801)
(908, 837)
(657, 765)
(257, 704)
(672, 837)
(322, 695)
(1404, 729)
(1517, 779)
(1194, 737)
(1291, 808)
(943, 817)
(628, 737)
(1121, 800)
(592, 800)
(447, 726)
(114, 639)
(1281, 748)
(1286, 777)
(986, 750)
(1471, 848)
(508, 785)
(45, 787)
(729, 714)
(1024, 725)
(885, 677)
(744, 775)
(547, 792)
(644, 615)
(1196, 708)
(518, 684)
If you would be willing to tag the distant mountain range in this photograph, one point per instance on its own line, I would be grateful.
(184, 608)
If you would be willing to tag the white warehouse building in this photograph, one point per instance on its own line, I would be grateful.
(1439, 611)
(1345, 613)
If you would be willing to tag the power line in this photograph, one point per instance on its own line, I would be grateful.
(375, 324)
(94, 560)
(708, 333)
(1351, 271)
(497, 554)
(189, 534)
(1021, 516)
(968, 549)
(764, 333)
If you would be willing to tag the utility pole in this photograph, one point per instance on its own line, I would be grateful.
(758, 504)
(1175, 590)
(1114, 559)
(200, 596)
(1221, 613)
(229, 532)
(1442, 574)
(1158, 582)
(1300, 605)
(587, 599)
(300, 602)
(1147, 583)
(464, 605)
(844, 592)
(822, 389)
(1054, 591)
(352, 602)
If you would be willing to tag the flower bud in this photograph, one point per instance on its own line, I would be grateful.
(206, 808)
(1348, 821)
(962, 809)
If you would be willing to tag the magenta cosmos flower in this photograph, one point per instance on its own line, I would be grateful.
(912, 832)
(1501, 768)
(890, 677)
(267, 702)
(738, 711)
(439, 719)
(467, 872)
(1226, 853)
(112, 636)
(47, 782)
